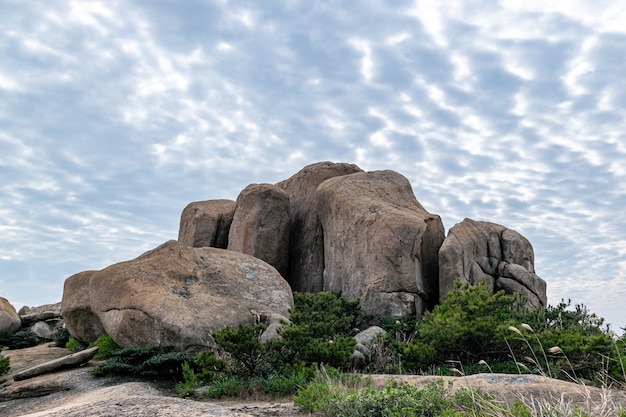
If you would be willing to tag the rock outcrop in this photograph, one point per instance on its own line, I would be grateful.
(260, 226)
(81, 321)
(306, 255)
(380, 244)
(206, 223)
(477, 251)
(176, 295)
(9, 319)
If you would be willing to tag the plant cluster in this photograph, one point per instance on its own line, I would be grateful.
(345, 395)
(106, 347)
(476, 331)
(4, 364)
(19, 340)
(320, 331)
(153, 362)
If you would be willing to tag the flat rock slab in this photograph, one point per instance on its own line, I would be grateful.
(70, 361)
(510, 388)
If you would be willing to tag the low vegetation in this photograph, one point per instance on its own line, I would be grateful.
(471, 331)
(19, 340)
(4, 364)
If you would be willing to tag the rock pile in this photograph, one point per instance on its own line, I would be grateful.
(331, 226)
(42, 321)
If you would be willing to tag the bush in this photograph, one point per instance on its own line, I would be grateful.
(106, 347)
(74, 345)
(21, 339)
(4, 364)
(321, 330)
(243, 345)
(333, 396)
(153, 362)
(61, 337)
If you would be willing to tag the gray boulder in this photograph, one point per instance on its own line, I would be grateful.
(306, 254)
(176, 295)
(9, 319)
(206, 223)
(260, 226)
(477, 251)
(82, 323)
(380, 244)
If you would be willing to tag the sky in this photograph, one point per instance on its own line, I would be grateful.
(114, 115)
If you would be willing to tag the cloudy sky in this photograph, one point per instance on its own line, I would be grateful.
(114, 115)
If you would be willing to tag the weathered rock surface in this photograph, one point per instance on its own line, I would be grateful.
(206, 223)
(9, 319)
(176, 295)
(70, 361)
(260, 226)
(380, 244)
(476, 251)
(81, 321)
(306, 255)
(46, 329)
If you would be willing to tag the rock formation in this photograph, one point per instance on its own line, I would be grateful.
(9, 320)
(380, 244)
(330, 226)
(306, 255)
(206, 223)
(476, 251)
(81, 321)
(176, 295)
(260, 226)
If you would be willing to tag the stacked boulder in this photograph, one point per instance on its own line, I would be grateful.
(43, 321)
(490, 253)
(331, 226)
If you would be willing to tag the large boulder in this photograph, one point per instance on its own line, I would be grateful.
(206, 223)
(260, 225)
(81, 321)
(477, 251)
(306, 254)
(176, 295)
(380, 244)
(9, 319)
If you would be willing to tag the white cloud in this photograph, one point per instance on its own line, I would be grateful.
(116, 115)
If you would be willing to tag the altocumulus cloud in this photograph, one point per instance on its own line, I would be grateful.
(114, 115)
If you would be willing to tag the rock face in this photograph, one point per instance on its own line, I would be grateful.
(380, 244)
(176, 295)
(260, 226)
(9, 319)
(476, 251)
(81, 321)
(306, 255)
(206, 223)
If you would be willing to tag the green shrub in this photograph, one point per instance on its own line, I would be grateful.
(321, 330)
(19, 340)
(244, 346)
(154, 362)
(74, 345)
(287, 381)
(4, 364)
(225, 386)
(469, 325)
(61, 337)
(106, 347)
(332, 396)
